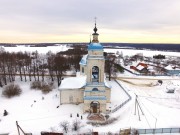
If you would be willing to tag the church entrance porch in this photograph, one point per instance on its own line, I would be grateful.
(95, 106)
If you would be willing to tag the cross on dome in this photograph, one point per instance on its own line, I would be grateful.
(95, 29)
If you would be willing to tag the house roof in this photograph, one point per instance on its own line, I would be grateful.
(140, 67)
(142, 64)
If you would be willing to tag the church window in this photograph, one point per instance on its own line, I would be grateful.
(95, 89)
(82, 69)
(95, 74)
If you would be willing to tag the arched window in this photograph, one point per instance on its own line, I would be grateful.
(95, 89)
(95, 74)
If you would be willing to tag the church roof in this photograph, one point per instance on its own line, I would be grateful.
(83, 60)
(77, 83)
(73, 83)
(95, 46)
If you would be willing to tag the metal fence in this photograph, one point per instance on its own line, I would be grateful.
(123, 103)
(158, 130)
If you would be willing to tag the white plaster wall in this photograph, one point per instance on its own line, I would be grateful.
(108, 95)
(95, 52)
(95, 93)
(75, 93)
(85, 70)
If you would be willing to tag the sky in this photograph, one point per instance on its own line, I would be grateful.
(123, 21)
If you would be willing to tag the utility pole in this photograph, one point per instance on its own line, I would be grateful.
(138, 107)
(19, 128)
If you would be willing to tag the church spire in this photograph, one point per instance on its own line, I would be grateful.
(95, 35)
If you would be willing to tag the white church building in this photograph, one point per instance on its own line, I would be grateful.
(89, 86)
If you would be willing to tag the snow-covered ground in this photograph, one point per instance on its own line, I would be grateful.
(43, 115)
(58, 48)
(54, 49)
(148, 53)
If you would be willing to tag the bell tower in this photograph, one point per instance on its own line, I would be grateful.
(95, 65)
(96, 93)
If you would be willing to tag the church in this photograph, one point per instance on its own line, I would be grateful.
(89, 86)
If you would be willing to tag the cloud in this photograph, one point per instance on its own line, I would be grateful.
(76, 16)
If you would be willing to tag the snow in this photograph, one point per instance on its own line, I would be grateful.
(169, 67)
(43, 115)
(34, 116)
(73, 82)
(84, 60)
(148, 53)
(23, 48)
(60, 47)
(140, 67)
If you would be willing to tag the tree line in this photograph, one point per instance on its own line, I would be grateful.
(35, 66)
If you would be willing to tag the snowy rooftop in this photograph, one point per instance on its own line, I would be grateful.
(151, 68)
(169, 67)
(83, 60)
(73, 82)
(140, 67)
(95, 46)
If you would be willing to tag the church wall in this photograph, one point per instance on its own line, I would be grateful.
(85, 70)
(108, 94)
(101, 91)
(94, 52)
(74, 96)
(89, 87)
(96, 93)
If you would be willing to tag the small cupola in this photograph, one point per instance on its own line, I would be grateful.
(95, 45)
(95, 35)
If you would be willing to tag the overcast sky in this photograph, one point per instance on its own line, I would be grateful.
(135, 21)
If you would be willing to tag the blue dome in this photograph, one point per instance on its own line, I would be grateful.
(95, 46)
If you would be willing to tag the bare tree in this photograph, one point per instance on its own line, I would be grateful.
(50, 63)
(76, 125)
(65, 126)
(60, 66)
(109, 65)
